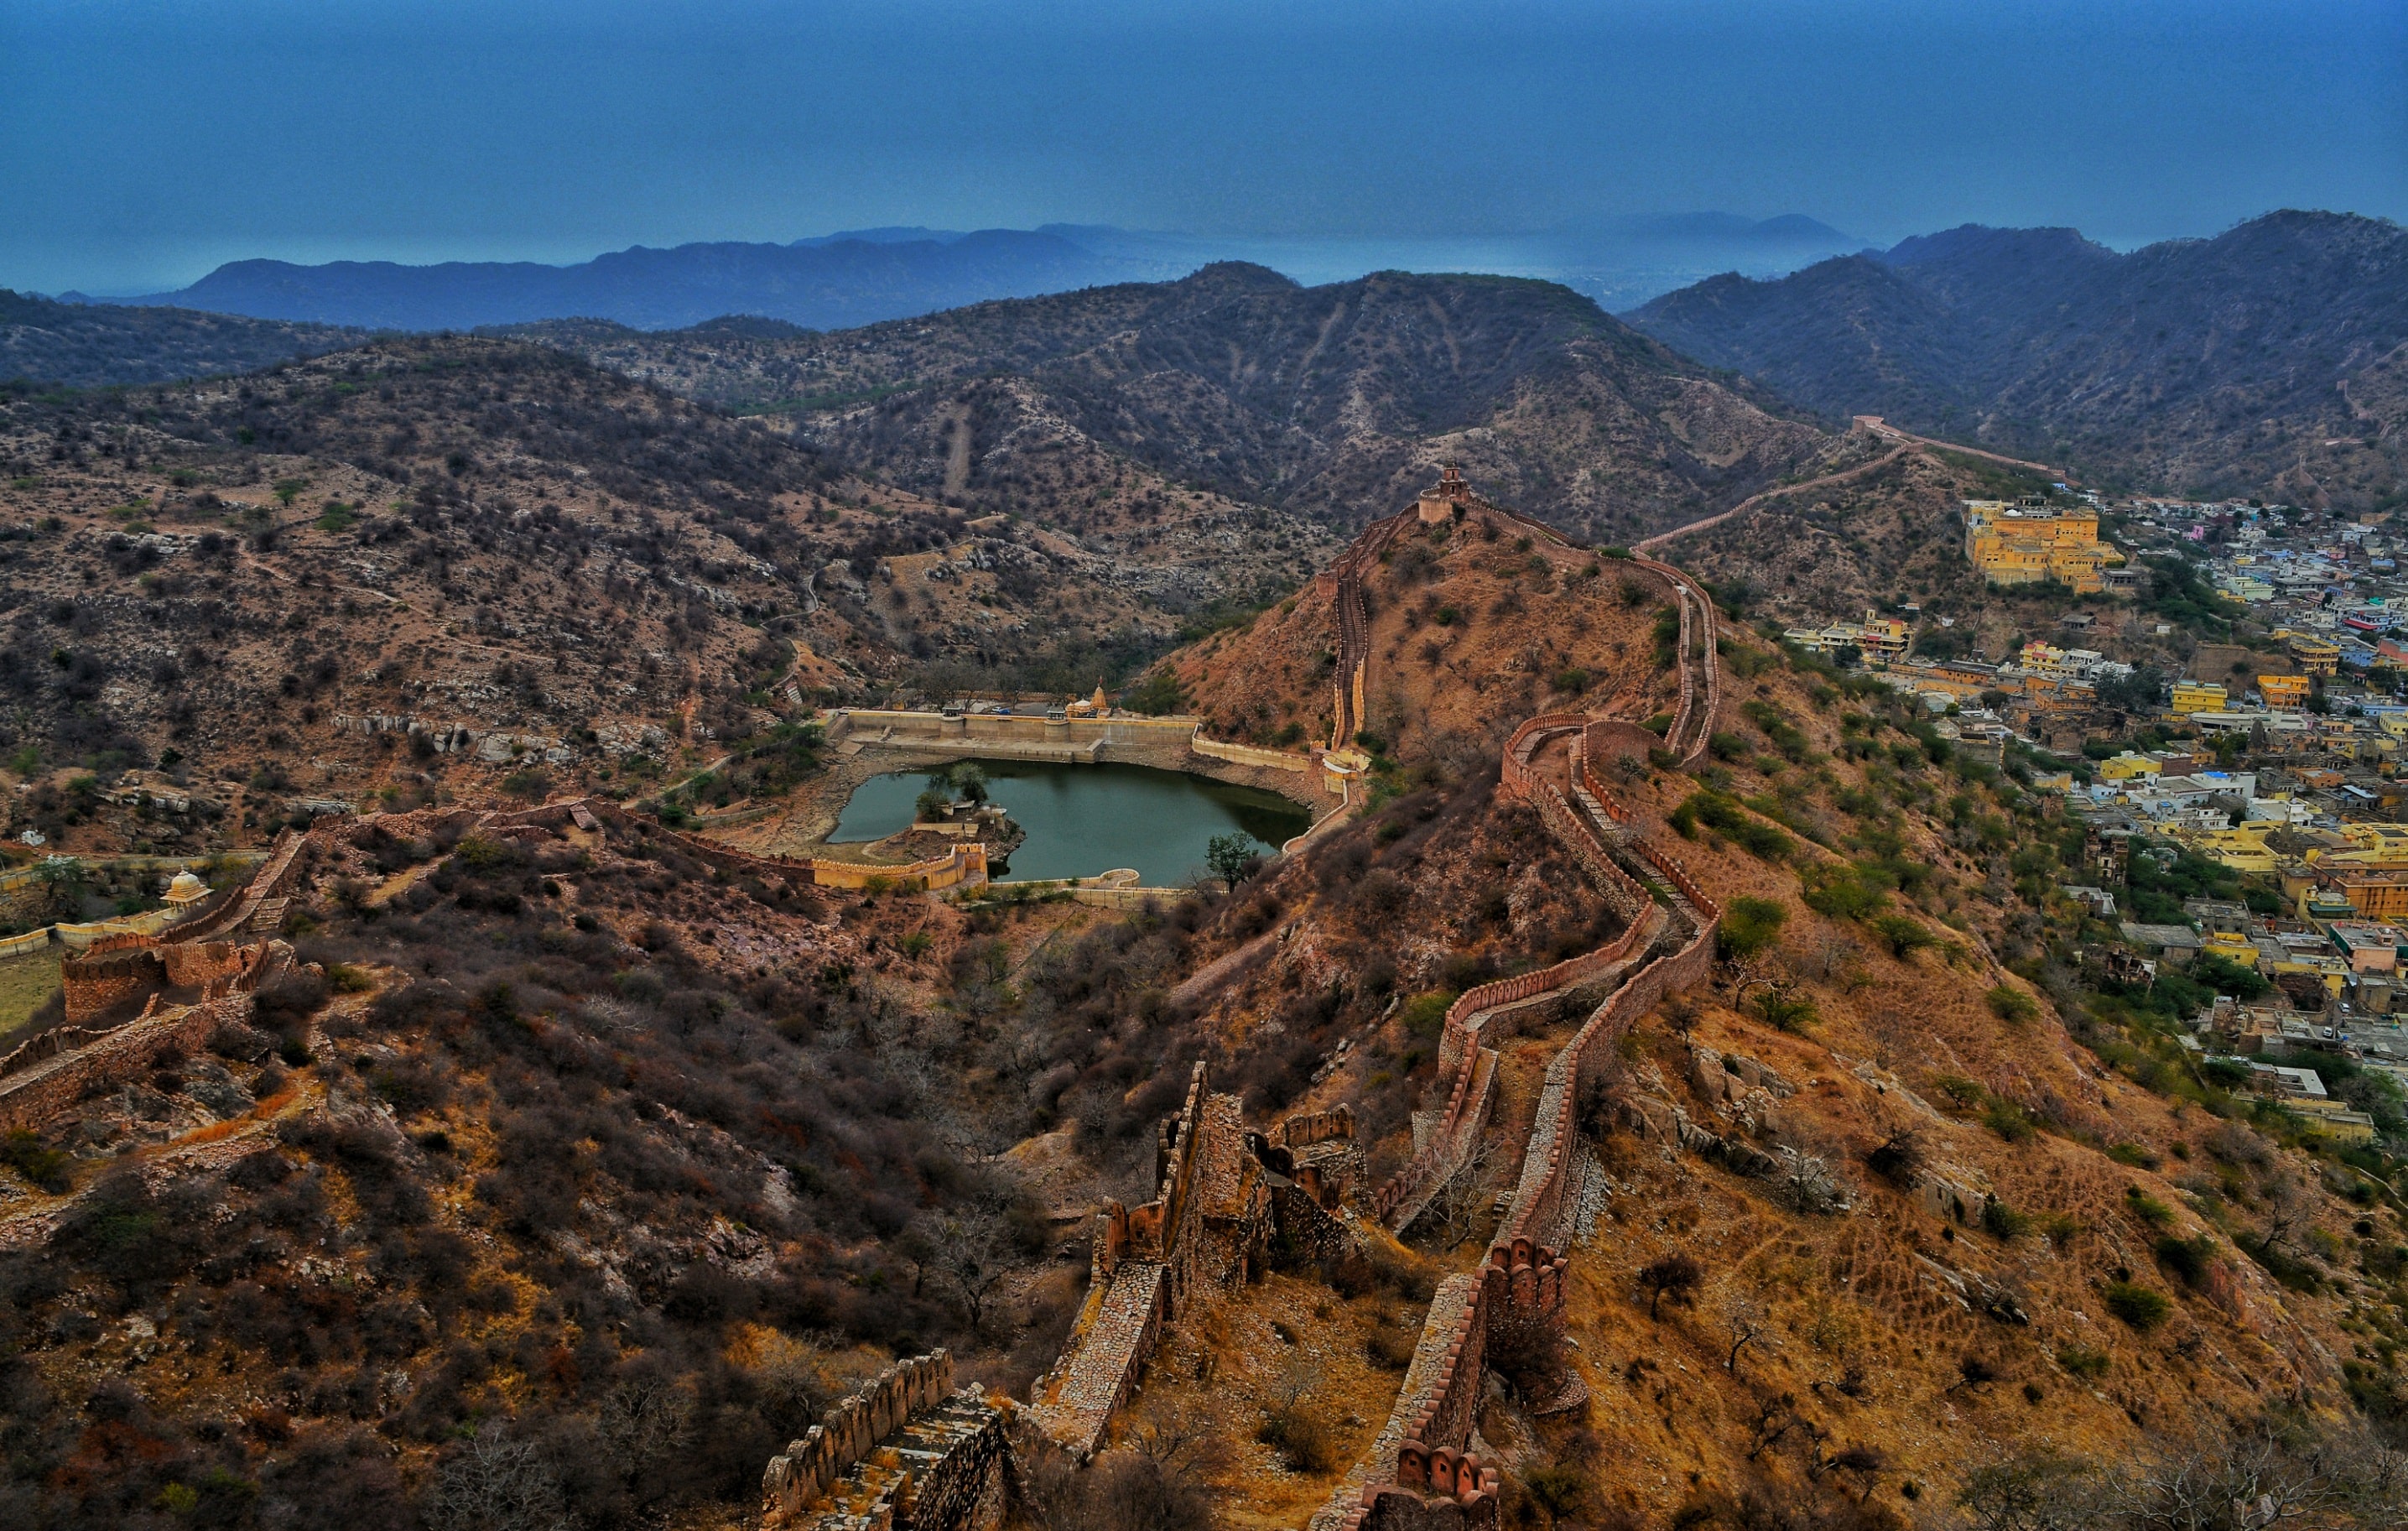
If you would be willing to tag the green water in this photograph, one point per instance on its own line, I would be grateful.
(1083, 820)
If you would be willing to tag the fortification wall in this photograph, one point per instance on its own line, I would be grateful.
(1538, 1201)
(1143, 1265)
(1306, 1128)
(960, 864)
(801, 1476)
(79, 1061)
(100, 980)
(904, 728)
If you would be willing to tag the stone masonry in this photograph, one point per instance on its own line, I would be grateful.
(904, 1452)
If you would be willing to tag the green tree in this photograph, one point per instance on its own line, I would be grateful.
(1232, 857)
(970, 781)
(1750, 925)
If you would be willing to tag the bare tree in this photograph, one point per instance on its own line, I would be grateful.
(1776, 1416)
(495, 1483)
(970, 1250)
(2036, 1491)
(1807, 1184)
(2239, 1482)
(1470, 1188)
(1675, 1276)
(1750, 1324)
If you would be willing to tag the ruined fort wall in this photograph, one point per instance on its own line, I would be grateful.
(960, 864)
(82, 1061)
(1465, 1030)
(801, 1475)
(1549, 1160)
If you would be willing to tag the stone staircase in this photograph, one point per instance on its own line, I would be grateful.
(268, 917)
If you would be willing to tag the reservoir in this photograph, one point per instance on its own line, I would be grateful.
(1085, 819)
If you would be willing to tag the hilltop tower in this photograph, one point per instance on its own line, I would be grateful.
(1447, 499)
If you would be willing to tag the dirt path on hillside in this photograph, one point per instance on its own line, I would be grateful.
(1907, 441)
(1652, 544)
(1888, 432)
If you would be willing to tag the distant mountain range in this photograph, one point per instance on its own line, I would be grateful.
(1335, 401)
(822, 283)
(2269, 360)
(862, 276)
(2273, 358)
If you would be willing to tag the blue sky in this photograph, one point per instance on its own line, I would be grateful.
(142, 143)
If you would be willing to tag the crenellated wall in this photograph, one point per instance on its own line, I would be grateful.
(52, 1072)
(1210, 1219)
(1417, 1476)
(801, 1476)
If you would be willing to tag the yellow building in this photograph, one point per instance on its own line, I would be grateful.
(2126, 767)
(2285, 691)
(2244, 849)
(2197, 697)
(2317, 655)
(2026, 543)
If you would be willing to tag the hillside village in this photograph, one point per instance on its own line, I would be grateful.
(2267, 774)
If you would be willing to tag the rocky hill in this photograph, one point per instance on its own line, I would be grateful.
(1320, 401)
(81, 345)
(2019, 1290)
(473, 559)
(591, 1161)
(2258, 362)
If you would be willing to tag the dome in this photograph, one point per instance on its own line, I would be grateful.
(187, 888)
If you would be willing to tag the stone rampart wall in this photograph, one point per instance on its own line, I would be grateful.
(960, 864)
(82, 1060)
(1549, 1160)
(801, 1475)
(903, 728)
(1464, 1031)
(272, 880)
(100, 980)
(1142, 1268)
(1306, 1128)
(969, 1488)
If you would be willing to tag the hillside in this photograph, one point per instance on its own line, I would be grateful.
(592, 1161)
(80, 345)
(427, 565)
(825, 284)
(1917, 1163)
(2252, 363)
(1319, 401)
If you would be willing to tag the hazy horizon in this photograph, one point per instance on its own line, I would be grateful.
(149, 142)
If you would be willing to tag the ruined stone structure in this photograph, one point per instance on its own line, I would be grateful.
(52, 1071)
(117, 970)
(961, 865)
(904, 1453)
(1210, 1218)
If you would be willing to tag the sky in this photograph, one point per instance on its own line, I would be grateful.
(143, 143)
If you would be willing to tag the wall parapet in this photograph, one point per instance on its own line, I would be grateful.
(801, 1475)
